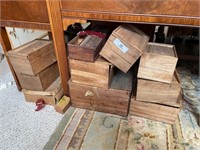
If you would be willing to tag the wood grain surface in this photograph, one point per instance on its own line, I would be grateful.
(91, 73)
(54, 13)
(151, 11)
(25, 14)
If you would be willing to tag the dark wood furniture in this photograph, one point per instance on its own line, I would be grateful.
(55, 16)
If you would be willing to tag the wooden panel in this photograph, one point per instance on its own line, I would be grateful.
(54, 13)
(124, 46)
(7, 47)
(135, 18)
(157, 64)
(152, 11)
(27, 11)
(156, 112)
(22, 24)
(153, 7)
(41, 81)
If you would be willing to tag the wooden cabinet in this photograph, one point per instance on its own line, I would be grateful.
(54, 15)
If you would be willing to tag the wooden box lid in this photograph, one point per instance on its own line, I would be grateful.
(25, 50)
(33, 57)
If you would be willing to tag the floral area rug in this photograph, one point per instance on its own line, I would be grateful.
(91, 130)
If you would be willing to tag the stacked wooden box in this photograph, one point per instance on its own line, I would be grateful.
(94, 83)
(36, 69)
(158, 86)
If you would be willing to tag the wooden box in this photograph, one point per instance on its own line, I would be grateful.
(41, 81)
(152, 111)
(158, 92)
(114, 100)
(158, 62)
(62, 105)
(50, 96)
(85, 49)
(32, 57)
(124, 46)
(98, 73)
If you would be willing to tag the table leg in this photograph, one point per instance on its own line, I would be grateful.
(6, 47)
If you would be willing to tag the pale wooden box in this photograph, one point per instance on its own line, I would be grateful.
(158, 92)
(153, 111)
(124, 46)
(41, 81)
(158, 62)
(32, 57)
(98, 73)
(50, 96)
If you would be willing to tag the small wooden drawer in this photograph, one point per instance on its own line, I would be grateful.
(98, 73)
(158, 62)
(41, 81)
(86, 48)
(32, 57)
(158, 92)
(124, 46)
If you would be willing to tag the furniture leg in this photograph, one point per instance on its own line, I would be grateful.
(6, 47)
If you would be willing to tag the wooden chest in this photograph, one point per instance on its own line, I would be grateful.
(114, 100)
(32, 57)
(41, 81)
(98, 73)
(158, 62)
(158, 92)
(50, 96)
(86, 48)
(124, 46)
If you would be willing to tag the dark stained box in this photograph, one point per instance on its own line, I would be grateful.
(86, 48)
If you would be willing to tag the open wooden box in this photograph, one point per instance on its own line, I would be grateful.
(158, 62)
(85, 48)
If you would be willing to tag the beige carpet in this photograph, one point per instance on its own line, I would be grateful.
(21, 128)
